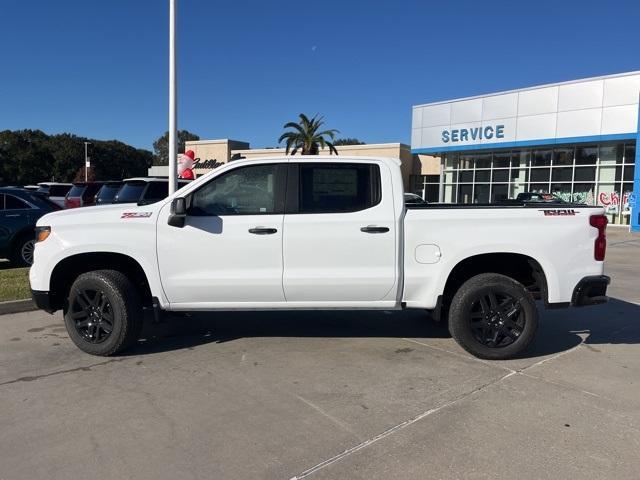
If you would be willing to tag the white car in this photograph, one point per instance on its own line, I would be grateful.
(55, 191)
(313, 232)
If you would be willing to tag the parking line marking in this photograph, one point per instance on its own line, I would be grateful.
(396, 428)
(339, 422)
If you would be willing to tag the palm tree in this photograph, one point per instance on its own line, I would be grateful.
(307, 137)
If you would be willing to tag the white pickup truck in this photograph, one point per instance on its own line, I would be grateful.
(317, 233)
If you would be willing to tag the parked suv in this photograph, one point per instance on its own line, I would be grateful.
(145, 190)
(55, 191)
(19, 211)
(108, 192)
(82, 194)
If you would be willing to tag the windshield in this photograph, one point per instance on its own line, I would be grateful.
(130, 192)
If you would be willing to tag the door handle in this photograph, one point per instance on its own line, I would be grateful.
(263, 231)
(373, 229)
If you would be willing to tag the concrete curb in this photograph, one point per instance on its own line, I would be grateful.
(17, 306)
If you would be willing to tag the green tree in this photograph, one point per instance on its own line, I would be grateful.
(347, 141)
(161, 146)
(307, 137)
(32, 156)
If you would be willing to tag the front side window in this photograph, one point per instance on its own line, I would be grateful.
(339, 187)
(243, 191)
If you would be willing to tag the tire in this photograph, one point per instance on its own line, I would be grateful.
(22, 254)
(103, 314)
(493, 317)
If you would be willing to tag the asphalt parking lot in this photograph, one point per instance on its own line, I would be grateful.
(328, 395)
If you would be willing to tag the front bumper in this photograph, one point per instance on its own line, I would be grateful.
(590, 291)
(42, 300)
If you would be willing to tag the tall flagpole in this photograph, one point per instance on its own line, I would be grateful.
(173, 114)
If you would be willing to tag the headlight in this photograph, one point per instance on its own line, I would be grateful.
(42, 233)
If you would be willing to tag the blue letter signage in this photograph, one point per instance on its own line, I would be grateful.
(477, 133)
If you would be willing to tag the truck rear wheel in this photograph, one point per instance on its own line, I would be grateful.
(103, 314)
(493, 317)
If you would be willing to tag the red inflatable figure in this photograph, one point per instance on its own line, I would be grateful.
(185, 164)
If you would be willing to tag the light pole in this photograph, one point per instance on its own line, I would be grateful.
(173, 116)
(86, 160)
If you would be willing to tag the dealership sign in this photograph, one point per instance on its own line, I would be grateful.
(210, 163)
(456, 135)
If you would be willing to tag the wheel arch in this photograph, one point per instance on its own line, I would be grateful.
(522, 268)
(69, 268)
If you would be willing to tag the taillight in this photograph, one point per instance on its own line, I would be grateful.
(600, 245)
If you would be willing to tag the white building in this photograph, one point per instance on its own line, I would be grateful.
(574, 139)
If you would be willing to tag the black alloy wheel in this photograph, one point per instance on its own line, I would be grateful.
(496, 319)
(92, 315)
(493, 316)
(103, 313)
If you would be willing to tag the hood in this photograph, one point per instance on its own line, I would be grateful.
(99, 214)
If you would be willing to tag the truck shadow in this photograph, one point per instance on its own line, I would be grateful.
(617, 322)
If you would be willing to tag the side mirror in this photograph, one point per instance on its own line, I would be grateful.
(178, 213)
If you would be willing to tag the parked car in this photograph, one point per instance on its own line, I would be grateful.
(107, 192)
(413, 199)
(19, 211)
(145, 190)
(55, 191)
(82, 194)
(316, 232)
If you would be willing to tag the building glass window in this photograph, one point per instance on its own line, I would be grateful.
(540, 174)
(483, 176)
(585, 174)
(593, 174)
(501, 175)
(481, 193)
(541, 158)
(586, 155)
(464, 193)
(563, 156)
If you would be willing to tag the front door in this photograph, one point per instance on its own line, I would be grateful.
(340, 236)
(229, 251)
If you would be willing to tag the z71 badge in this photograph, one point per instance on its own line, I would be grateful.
(559, 212)
(136, 214)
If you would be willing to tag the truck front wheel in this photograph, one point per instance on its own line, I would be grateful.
(493, 317)
(103, 315)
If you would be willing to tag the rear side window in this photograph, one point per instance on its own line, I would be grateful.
(58, 190)
(91, 190)
(108, 191)
(156, 191)
(77, 190)
(338, 187)
(14, 203)
(130, 192)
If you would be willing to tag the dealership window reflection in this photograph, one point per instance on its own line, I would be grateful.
(592, 174)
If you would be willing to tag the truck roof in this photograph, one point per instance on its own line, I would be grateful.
(319, 158)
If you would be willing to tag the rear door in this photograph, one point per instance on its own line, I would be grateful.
(15, 215)
(339, 233)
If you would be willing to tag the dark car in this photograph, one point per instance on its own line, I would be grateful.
(108, 192)
(145, 190)
(82, 194)
(19, 211)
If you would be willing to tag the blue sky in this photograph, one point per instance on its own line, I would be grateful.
(99, 68)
